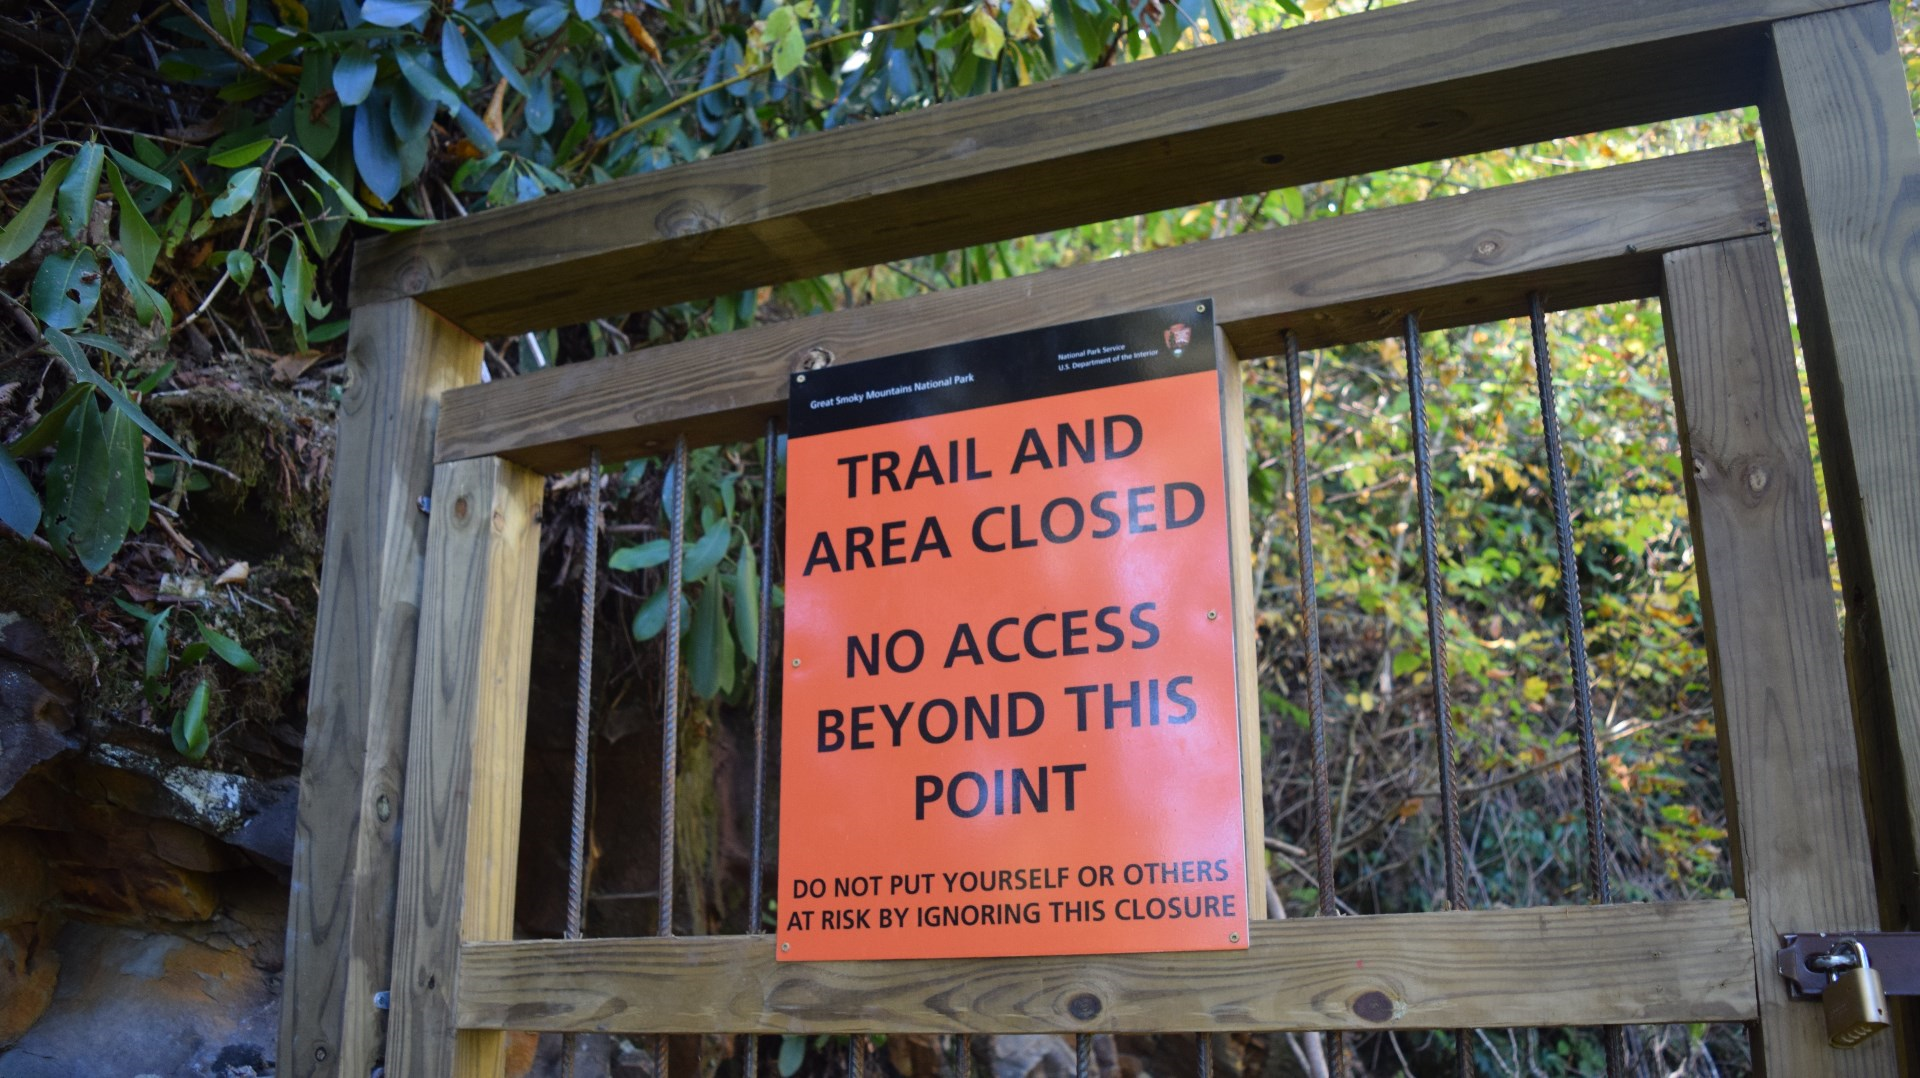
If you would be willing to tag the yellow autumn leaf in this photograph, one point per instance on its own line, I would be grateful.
(1023, 20)
(988, 38)
(1534, 689)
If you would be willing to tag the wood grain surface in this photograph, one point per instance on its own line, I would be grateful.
(1569, 965)
(1584, 238)
(1846, 167)
(1245, 614)
(1790, 771)
(1330, 99)
(400, 358)
(462, 818)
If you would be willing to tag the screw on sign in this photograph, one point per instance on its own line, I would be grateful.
(1017, 728)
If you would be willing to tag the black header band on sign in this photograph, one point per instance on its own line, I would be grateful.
(1159, 342)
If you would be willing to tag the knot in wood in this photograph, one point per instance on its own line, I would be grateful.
(1758, 477)
(1373, 1006)
(1489, 247)
(1085, 1006)
(460, 508)
(814, 358)
(415, 276)
(1444, 120)
(685, 217)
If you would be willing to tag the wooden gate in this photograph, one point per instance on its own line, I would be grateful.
(410, 795)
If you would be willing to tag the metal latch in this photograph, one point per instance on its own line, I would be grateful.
(1810, 959)
(1853, 986)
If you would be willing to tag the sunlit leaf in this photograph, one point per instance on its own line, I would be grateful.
(988, 38)
(789, 51)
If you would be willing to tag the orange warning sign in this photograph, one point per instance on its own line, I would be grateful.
(1010, 718)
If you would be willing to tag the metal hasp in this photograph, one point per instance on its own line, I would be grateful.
(1808, 960)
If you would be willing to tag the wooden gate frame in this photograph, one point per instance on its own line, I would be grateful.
(1404, 85)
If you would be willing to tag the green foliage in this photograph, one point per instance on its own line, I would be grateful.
(721, 618)
(295, 125)
(189, 728)
(321, 109)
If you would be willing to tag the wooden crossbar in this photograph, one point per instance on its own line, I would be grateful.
(1332, 99)
(1586, 238)
(1667, 962)
(1400, 86)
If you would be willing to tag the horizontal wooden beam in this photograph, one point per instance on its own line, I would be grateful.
(1343, 97)
(1558, 966)
(1585, 238)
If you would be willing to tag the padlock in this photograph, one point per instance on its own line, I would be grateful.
(1855, 1001)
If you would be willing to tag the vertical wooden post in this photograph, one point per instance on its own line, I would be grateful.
(400, 358)
(1246, 604)
(465, 757)
(1789, 765)
(1846, 171)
